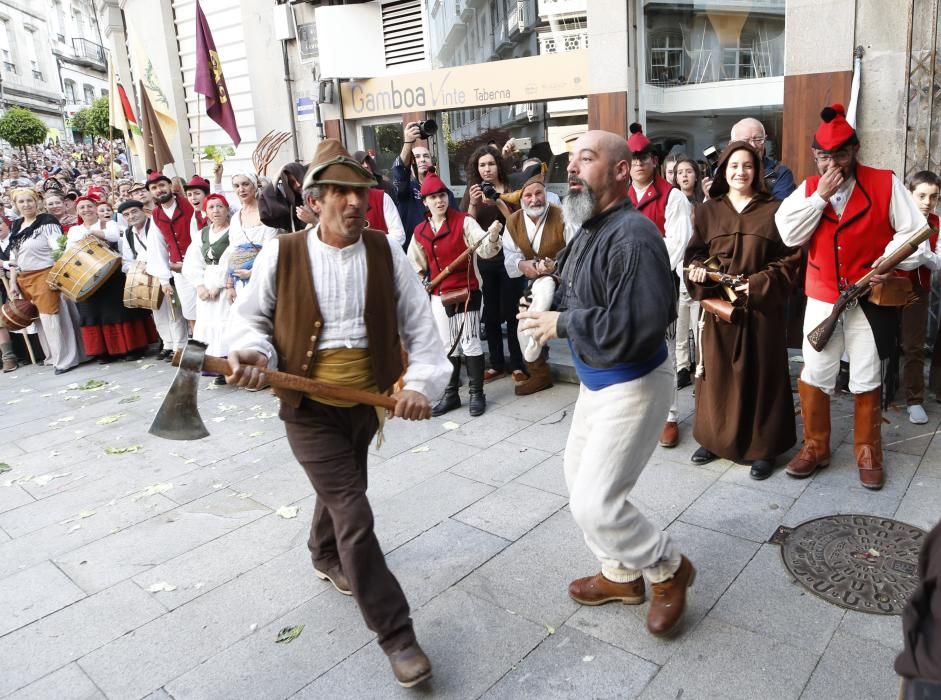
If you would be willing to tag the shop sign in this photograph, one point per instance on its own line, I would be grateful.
(547, 77)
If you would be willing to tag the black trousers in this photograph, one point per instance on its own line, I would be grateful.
(332, 445)
(501, 304)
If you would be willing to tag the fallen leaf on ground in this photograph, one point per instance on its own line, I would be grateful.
(13, 401)
(243, 495)
(225, 408)
(588, 659)
(218, 486)
(46, 478)
(257, 433)
(287, 511)
(86, 513)
(147, 366)
(198, 585)
(4, 467)
(218, 419)
(64, 419)
(423, 448)
(123, 450)
(450, 425)
(549, 628)
(253, 627)
(557, 420)
(153, 490)
(76, 526)
(130, 399)
(289, 634)
(161, 586)
(107, 420)
(92, 385)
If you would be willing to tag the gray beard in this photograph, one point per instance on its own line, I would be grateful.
(535, 212)
(578, 207)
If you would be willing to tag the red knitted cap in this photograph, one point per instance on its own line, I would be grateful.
(637, 142)
(432, 184)
(834, 131)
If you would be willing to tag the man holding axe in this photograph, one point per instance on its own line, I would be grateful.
(851, 217)
(334, 304)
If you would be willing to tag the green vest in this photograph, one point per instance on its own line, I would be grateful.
(212, 252)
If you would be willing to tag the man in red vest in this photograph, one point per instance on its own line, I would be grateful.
(849, 216)
(173, 216)
(669, 209)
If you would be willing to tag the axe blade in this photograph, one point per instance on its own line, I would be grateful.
(178, 417)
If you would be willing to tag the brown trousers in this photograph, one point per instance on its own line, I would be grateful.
(332, 445)
(914, 329)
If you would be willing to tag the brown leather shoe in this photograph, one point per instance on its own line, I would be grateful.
(597, 590)
(335, 576)
(668, 600)
(670, 437)
(540, 377)
(815, 453)
(867, 439)
(410, 666)
(10, 364)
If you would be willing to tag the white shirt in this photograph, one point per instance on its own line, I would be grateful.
(513, 256)
(140, 243)
(35, 252)
(80, 231)
(798, 217)
(195, 269)
(393, 221)
(339, 278)
(158, 255)
(677, 222)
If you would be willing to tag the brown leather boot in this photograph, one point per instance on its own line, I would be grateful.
(668, 600)
(335, 576)
(598, 590)
(410, 666)
(540, 377)
(815, 452)
(867, 439)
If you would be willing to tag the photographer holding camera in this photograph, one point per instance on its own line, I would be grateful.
(408, 173)
(487, 180)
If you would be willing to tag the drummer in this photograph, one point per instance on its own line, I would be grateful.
(34, 238)
(10, 362)
(171, 326)
(109, 330)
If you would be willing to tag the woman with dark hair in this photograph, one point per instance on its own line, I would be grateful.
(684, 175)
(744, 407)
(487, 180)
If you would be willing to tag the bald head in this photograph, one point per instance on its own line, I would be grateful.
(600, 165)
(752, 131)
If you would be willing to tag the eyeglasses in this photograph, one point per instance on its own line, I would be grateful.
(757, 141)
(838, 157)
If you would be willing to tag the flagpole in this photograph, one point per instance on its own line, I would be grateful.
(111, 165)
(198, 129)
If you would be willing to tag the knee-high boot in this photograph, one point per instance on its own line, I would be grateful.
(477, 403)
(450, 400)
(815, 408)
(867, 438)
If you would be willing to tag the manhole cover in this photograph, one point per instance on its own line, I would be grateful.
(860, 562)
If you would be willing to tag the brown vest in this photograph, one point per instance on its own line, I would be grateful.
(553, 234)
(297, 317)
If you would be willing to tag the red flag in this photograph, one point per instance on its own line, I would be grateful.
(210, 81)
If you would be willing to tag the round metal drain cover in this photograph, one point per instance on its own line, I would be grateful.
(860, 562)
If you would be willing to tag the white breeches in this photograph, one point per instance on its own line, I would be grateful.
(852, 335)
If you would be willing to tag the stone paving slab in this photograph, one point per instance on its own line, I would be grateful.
(490, 607)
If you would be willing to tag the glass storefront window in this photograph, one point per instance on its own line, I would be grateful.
(705, 41)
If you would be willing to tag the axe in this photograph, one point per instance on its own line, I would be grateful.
(178, 417)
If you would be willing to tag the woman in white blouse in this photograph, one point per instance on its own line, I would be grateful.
(247, 234)
(34, 237)
(202, 269)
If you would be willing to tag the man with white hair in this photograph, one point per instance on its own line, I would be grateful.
(778, 177)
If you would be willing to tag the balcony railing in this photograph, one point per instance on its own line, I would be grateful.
(555, 8)
(520, 19)
(88, 50)
(566, 40)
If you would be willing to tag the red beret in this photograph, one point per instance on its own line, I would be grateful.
(834, 131)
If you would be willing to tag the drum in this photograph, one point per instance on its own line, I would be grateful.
(17, 314)
(82, 269)
(142, 291)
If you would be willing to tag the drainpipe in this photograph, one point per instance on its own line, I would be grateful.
(290, 92)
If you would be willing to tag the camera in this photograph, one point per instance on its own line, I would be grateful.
(427, 128)
(711, 156)
(490, 192)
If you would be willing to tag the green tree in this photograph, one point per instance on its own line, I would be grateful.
(99, 118)
(21, 128)
(80, 121)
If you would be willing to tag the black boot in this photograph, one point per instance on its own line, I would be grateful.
(450, 400)
(477, 402)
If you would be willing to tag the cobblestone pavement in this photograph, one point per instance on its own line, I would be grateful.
(167, 570)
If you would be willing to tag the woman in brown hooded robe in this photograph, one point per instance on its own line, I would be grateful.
(744, 407)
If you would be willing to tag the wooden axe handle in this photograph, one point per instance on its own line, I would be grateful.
(283, 380)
